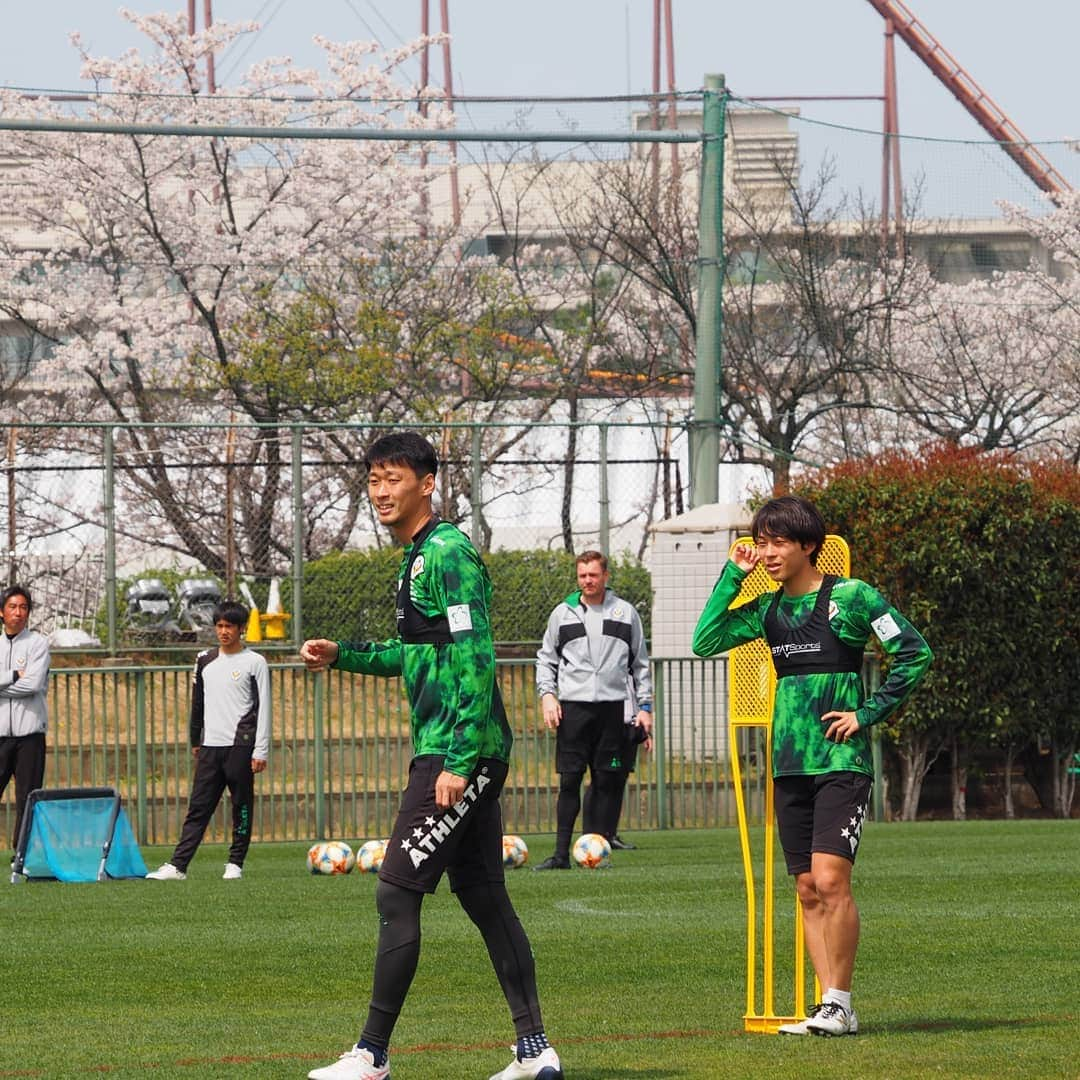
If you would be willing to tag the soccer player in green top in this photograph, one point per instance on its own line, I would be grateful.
(450, 819)
(817, 627)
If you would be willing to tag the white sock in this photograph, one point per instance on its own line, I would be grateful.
(841, 997)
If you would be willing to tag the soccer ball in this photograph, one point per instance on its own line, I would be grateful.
(515, 853)
(370, 856)
(331, 857)
(592, 851)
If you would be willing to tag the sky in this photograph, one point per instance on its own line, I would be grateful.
(603, 47)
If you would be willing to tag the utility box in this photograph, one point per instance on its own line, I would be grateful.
(688, 553)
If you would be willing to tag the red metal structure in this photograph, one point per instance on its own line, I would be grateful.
(900, 19)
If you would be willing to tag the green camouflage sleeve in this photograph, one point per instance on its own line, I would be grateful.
(721, 627)
(370, 657)
(867, 613)
(461, 590)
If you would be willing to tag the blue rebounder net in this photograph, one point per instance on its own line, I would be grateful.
(81, 834)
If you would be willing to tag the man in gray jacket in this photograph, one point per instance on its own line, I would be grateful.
(593, 653)
(24, 716)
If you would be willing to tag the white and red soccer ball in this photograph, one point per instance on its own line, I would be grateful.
(592, 851)
(331, 857)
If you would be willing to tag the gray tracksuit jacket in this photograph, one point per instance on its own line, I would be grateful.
(22, 701)
(565, 665)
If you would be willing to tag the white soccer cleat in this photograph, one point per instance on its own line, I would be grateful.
(544, 1066)
(233, 872)
(167, 872)
(833, 1019)
(354, 1064)
(798, 1027)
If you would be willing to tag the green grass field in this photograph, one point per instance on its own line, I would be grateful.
(969, 967)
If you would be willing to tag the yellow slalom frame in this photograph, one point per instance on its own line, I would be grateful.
(751, 691)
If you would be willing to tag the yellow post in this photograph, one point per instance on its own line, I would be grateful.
(751, 689)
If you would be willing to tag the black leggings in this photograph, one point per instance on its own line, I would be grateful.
(605, 803)
(398, 953)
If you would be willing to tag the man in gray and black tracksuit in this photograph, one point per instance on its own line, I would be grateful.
(24, 714)
(593, 653)
(230, 737)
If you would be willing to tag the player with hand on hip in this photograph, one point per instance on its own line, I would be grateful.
(817, 627)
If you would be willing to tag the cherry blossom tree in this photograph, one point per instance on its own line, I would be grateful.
(991, 364)
(144, 259)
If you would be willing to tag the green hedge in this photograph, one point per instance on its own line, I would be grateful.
(350, 596)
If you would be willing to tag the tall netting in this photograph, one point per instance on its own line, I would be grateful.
(191, 377)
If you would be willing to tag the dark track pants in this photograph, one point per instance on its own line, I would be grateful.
(22, 756)
(218, 768)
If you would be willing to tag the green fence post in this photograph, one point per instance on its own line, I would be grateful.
(319, 793)
(658, 747)
(705, 433)
(298, 536)
(140, 755)
(605, 499)
(476, 482)
(109, 509)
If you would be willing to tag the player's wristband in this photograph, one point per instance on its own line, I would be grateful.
(645, 708)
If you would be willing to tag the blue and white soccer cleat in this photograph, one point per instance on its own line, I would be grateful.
(544, 1066)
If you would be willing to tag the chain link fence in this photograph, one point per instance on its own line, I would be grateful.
(127, 534)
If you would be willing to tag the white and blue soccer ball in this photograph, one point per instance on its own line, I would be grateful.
(592, 851)
(515, 852)
(370, 856)
(331, 857)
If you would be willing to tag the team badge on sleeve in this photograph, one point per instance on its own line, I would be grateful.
(885, 627)
(460, 617)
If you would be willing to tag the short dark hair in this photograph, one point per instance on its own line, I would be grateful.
(592, 556)
(403, 448)
(790, 517)
(231, 611)
(16, 590)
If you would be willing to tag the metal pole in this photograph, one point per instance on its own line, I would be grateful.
(605, 501)
(110, 542)
(140, 754)
(659, 722)
(319, 750)
(705, 440)
(208, 21)
(298, 535)
(673, 114)
(230, 511)
(455, 197)
(474, 487)
(13, 532)
(422, 107)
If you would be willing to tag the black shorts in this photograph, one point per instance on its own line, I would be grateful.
(820, 813)
(590, 735)
(465, 841)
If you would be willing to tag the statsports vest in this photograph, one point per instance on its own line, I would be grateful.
(810, 648)
(414, 627)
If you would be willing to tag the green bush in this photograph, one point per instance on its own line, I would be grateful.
(979, 551)
(350, 596)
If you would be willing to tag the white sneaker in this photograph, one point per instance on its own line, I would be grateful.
(833, 1019)
(233, 872)
(798, 1027)
(354, 1064)
(167, 872)
(544, 1066)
